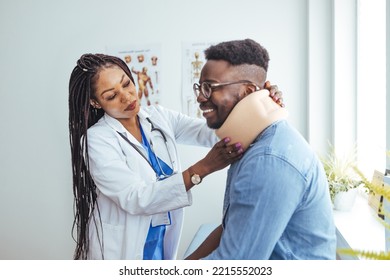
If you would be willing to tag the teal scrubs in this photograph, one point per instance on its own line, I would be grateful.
(154, 245)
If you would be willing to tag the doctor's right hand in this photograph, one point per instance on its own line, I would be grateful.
(221, 155)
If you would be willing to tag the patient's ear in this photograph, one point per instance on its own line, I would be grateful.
(249, 89)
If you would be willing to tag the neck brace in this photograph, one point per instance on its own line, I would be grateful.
(250, 117)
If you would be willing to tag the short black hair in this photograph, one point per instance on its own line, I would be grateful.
(239, 52)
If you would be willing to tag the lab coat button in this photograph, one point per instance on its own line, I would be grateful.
(138, 257)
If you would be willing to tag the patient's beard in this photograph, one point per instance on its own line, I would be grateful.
(220, 121)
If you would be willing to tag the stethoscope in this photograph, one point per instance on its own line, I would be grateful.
(154, 129)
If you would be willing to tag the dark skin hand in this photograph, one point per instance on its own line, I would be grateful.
(274, 93)
(220, 155)
(210, 244)
(215, 157)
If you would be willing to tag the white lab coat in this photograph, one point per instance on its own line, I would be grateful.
(129, 194)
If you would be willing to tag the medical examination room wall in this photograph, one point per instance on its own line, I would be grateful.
(40, 43)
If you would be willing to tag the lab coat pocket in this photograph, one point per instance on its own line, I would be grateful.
(113, 236)
(113, 240)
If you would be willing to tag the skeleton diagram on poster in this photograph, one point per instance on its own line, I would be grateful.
(193, 61)
(144, 62)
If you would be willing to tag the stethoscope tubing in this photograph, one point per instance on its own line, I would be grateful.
(153, 128)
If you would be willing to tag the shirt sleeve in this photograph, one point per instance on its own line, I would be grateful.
(262, 202)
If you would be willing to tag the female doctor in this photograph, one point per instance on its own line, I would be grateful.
(128, 188)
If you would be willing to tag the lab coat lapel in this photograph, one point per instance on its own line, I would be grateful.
(168, 156)
(117, 126)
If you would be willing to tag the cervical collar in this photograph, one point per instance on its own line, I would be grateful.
(250, 117)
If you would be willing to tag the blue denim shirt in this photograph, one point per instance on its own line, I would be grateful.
(277, 203)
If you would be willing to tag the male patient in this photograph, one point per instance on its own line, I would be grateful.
(277, 203)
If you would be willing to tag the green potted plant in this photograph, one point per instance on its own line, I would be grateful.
(385, 192)
(342, 178)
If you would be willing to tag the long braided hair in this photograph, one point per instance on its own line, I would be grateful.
(82, 115)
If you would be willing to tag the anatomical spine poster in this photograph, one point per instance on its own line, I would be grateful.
(192, 62)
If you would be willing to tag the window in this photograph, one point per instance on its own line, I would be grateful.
(371, 85)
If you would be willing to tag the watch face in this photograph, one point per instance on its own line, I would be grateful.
(195, 179)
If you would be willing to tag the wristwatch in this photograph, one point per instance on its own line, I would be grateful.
(195, 179)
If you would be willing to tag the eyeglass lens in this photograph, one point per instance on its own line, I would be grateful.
(204, 89)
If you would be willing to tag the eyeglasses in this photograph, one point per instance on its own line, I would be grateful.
(206, 88)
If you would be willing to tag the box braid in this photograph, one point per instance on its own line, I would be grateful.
(82, 115)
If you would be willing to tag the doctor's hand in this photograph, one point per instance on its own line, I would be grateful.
(274, 93)
(221, 155)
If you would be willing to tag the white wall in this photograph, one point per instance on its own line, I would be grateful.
(40, 43)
